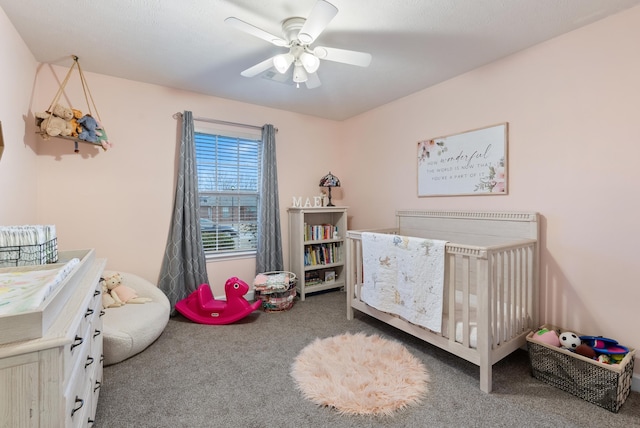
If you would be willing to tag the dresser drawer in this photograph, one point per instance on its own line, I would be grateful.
(96, 384)
(78, 400)
(79, 352)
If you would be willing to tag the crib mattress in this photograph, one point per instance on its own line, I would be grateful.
(473, 330)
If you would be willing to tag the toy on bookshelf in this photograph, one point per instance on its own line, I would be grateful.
(330, 277)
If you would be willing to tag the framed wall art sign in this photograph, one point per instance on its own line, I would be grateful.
(470, 163)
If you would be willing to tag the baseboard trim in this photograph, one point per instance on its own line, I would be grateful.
(635, 382)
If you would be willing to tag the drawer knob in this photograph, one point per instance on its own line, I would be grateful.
(77, 342)
(101, 313)
(89, 362)
(89, 312)
(97, 333)
(98, 385)
(78, 406)
(96, 293)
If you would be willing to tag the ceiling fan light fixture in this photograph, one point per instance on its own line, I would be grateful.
(310, 62)
(320, 52)
(298, 34)
(283, 62)
(305, 38)
(299, 73)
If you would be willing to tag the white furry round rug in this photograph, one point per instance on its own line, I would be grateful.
(360, 375)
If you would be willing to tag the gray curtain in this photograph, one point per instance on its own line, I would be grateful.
(269, 245)
(184, 265)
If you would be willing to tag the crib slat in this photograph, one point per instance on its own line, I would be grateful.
(466, 279)
(519, 300)
(450, 287)
(508, 298)
(484, 339)
(532, 317)
(359, 275)
(494, 283)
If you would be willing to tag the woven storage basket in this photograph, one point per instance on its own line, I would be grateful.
(281, 292)
(24, 255)
(606, 385)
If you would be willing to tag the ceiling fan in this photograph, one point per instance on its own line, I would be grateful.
(299, 34)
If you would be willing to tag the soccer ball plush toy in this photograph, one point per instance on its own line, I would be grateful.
(569, 340)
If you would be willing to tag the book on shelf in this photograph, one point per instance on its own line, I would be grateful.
(319, 232)
(312, 278)
(330, 277)
(322, 254)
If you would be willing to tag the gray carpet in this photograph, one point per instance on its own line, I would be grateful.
(238, 376)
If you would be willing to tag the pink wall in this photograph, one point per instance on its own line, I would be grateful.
(120, 201)
(571, 104)
(572, 108)
(18, 189)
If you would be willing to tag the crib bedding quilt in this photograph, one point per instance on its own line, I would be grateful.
(25, 290)
(404, 276)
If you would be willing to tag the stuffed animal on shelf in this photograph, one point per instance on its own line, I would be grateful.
(120, 293)
(75, 126)
(102, 138)
(55, 123)
(89, 126)
(62, 112)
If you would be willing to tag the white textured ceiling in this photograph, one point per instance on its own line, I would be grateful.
(185, 44)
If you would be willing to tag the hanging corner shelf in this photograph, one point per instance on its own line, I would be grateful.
(70, 123)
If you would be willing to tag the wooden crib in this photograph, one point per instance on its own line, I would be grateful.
(490, 297)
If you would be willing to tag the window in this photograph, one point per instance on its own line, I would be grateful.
(228, 176)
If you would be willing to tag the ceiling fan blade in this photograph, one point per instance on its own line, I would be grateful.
(313, 81)
(361, 59)
(320, 16)
(255, 31)
(258, 68)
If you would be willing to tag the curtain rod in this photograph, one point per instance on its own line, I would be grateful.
(222, 122)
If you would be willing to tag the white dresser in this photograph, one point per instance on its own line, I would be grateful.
(54, 380)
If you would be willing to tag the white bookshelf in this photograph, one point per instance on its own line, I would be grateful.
(317, 254)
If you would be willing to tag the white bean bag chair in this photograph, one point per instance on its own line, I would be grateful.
(130, 329)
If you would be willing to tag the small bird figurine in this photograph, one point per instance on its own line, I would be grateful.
(201, 307)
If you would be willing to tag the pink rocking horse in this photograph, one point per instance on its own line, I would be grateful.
(201, 307)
